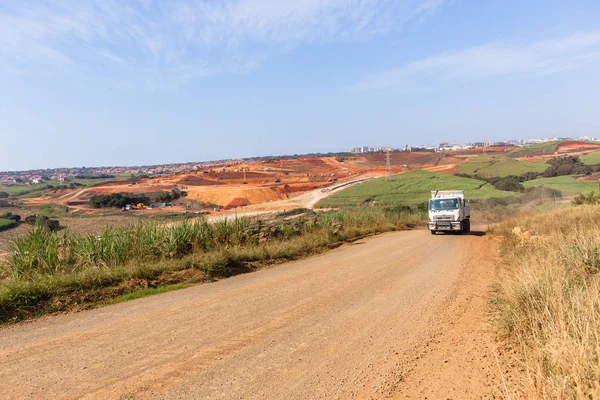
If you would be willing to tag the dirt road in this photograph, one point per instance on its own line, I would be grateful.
(402, 315)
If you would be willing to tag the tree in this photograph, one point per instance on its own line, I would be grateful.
(118, 200)
(570, 165)
(172, 196)
(511, 183)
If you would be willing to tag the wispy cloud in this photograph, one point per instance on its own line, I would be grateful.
(184, 39)
(535, 59)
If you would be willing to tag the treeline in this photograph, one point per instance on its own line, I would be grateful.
(295, 156)
(570, 165)
(94, 176)
(172, 196)
(72, 185)
(118, 200)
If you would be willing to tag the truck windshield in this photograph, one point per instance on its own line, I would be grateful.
(443, 204)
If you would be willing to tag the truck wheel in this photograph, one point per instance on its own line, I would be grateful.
(433, 232)
(468, 225)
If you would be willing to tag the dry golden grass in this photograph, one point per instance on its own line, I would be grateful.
(549, 300)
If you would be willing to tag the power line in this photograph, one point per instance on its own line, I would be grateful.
(388, 165)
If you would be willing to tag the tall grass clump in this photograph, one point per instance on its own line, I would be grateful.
(46, 270)
(549, 300)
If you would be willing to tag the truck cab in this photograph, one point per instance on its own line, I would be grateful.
(449, 211)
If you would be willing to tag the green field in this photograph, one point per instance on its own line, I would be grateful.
(37, 190)
(548, 147)
(494, 166)
(591, 159)
(413, 187)
(6, 224)
(568, 185)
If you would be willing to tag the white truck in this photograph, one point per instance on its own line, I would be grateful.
(449, 211)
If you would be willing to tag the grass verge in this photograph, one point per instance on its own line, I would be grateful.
(549, 300)
(56, 272)
(138, 294)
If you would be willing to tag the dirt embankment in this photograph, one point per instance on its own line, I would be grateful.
(568, 147)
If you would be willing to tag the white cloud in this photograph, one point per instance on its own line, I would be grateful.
(490, 60)
(186, 38)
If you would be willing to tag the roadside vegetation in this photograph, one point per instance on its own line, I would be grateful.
(590, 198)
(55, 271)
(548, 300)
(412, 188)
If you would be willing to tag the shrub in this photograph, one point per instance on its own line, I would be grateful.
(172, 196)
(529, 176)
(590, 198)
(118, 200)
(570, 165)
(508, 183)
(41, 221)
(3, 195)
(11, 216)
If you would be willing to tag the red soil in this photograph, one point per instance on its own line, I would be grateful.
(237, 202)
(574, 146)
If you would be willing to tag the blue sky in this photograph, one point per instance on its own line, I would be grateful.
(117, 82)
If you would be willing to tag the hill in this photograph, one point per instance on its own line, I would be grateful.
(497, 166)
(410, 188)
(568, 184)
(536, 149)
(591, 158)
(558, 146)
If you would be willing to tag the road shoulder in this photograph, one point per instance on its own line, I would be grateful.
(457, 357)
